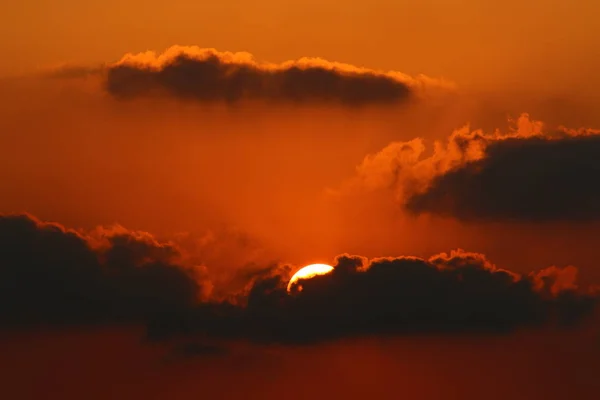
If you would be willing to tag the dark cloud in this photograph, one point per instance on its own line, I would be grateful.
(529, 173)
(530, 179)
(49, 274)
(52, 275)
(460, 292)
(209, 76)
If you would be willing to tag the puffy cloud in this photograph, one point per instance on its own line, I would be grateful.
(528, 173)
(50, 274)
(456, 292)
(208, 75)
(533, 179)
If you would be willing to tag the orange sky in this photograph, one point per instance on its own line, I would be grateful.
(463, 127)
(470, 41)
(86, 160)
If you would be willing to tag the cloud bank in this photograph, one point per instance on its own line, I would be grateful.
(207, 75)
(50, 274)
(53, 275)
(527, 174)
(457, 292)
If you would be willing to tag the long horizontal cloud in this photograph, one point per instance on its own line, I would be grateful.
(50, 274)
(527, 174)
(207, 75)
(459, 292)
(53, 275)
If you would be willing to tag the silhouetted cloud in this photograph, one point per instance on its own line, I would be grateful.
(53, 275)
(527, 174)
(49, 274)
(207, 75)
(459, 292)
(533, 179)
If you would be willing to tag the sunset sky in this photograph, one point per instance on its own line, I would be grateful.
(166, 168)
(471, 41)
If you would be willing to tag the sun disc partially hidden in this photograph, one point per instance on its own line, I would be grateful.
(308, 272)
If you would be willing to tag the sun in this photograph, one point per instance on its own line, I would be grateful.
(308, 272)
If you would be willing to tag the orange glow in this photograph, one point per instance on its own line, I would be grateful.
(176, 177)
(308, 272)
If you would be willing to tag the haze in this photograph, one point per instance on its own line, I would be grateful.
(166, 168)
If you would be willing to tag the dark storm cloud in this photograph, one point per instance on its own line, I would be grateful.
(460, 292)
(208, 76)
(531, 179)
(49, 274)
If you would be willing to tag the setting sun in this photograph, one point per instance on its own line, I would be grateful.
(293, 199)
(308, 272)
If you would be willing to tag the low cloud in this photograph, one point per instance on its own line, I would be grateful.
(207, 75)
(50, 274)
(458, 292)
(527, 174)
(54, 275)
